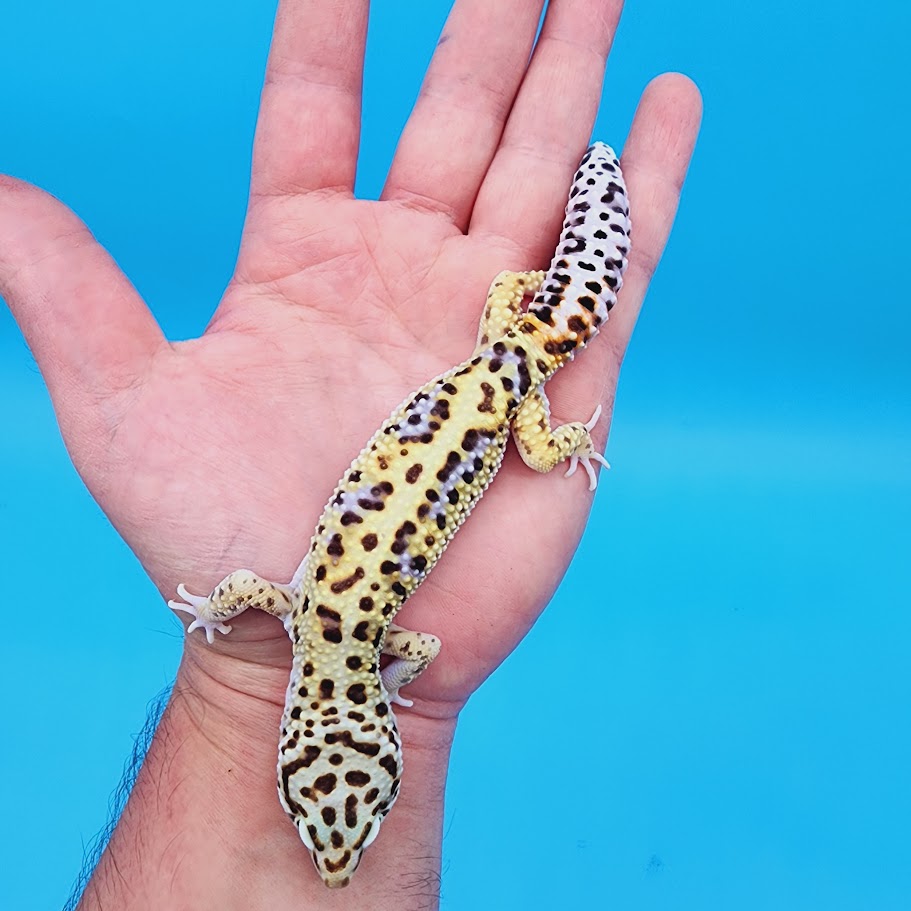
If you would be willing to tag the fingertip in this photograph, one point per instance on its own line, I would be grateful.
(667, 119)
(679, 87)
(27, 215)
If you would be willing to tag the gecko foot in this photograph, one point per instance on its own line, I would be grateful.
(587, 454)
(193, 605)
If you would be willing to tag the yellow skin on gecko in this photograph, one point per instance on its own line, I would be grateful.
(395, 510)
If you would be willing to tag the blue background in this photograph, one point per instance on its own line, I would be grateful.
(746, 742)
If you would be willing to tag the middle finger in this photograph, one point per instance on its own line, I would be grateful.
(467, 95)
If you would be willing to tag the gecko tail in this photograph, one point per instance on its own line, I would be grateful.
(586, 274)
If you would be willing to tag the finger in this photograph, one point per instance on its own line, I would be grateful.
(87, 327)
(654, 163)
(453, 132)
(309, 122)
(522, 198)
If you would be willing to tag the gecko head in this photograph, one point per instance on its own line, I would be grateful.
(337, 794)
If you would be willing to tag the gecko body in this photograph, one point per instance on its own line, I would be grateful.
(396, 509)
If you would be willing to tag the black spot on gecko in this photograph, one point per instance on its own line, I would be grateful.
(353, 662)
(357, 779)
(365, 604)
(357, 693)
(577, 324)
(351, 518)
(367, 749)
(390, 765)
(545, 314)
(351, 808)
(320, 573)
(328, 814)
(326, 688)
(524, 378)
(588, 302)
(344, 584)
(487, 404)
(360, 631)
(387, 567)
(335, 548)
(326, 783)
(332, 635)
(328, 614)
(414, 473)
(369, 541)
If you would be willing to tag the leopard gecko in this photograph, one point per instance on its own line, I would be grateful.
(395, 510)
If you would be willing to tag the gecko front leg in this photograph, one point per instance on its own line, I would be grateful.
(542, 448)
(232, 596)
(411, 654)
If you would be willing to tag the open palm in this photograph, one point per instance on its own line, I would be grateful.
(218, 453)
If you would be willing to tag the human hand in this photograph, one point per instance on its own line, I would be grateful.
(218, 453)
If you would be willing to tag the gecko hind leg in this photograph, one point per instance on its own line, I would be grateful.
(232, 596)
(411, 654)
(542, 448)
(504, 304)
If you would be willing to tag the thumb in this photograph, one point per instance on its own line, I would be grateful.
(88, 328)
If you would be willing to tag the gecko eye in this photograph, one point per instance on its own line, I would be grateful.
(372, 834)
(304, 834)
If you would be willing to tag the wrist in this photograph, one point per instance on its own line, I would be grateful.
(204, 828)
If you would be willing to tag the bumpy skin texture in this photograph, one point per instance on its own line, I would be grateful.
(395, 510)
